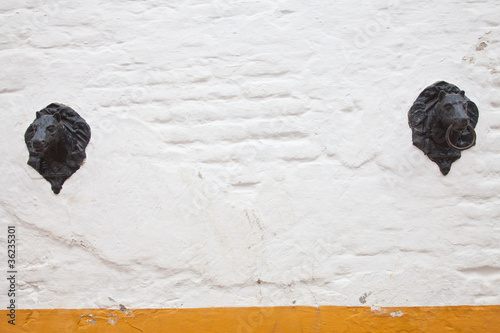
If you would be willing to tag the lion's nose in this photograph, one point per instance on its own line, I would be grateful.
(37, 143)
(462, 122)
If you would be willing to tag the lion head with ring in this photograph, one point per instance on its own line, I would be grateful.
(442, 120)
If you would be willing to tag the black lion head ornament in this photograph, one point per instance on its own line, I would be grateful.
(56, 142)
(442, 120)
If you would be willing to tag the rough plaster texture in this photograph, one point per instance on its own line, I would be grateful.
(250, 153)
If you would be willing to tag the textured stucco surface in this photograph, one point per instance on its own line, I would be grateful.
(250, 153)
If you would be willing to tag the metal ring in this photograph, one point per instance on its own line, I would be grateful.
(470, 128)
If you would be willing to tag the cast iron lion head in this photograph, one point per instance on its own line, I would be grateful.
(56, 142)
(442, 120)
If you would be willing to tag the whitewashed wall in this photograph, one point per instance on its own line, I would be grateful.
(250, 153)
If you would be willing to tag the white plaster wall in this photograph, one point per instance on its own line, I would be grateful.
(250, 153)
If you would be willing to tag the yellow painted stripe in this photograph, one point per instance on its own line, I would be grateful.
(331, 319)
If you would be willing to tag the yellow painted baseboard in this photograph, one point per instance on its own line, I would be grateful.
(481, 319)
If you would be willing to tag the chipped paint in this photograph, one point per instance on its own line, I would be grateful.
(396, 314)
(112, 320)
(86, 321)
(362, 298)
